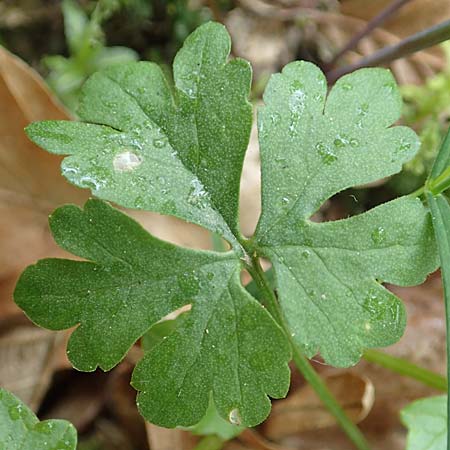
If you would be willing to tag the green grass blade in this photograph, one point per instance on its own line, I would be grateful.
(442, 161)
(440, 212)
(406, 368)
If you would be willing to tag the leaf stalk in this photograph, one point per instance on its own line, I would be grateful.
(211, 442)
(407, 369)
(302, 363)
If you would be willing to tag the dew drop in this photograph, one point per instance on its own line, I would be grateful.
(285, 201)
(354, 142)
(126, 161)
(234, 417)
(197, 194)
(297, 102)
(404, 146)
(69, 170)
(363, 109)
(90, 182)
(160, 142)
(347, 86)
(389, 87)
(306, 254)
(139, 202)
(378, 235)
(275, 118)
(14, 412)
(325, 153)
(340, 141)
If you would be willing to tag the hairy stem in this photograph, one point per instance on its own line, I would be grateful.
(303, 365)
(419, 41)
(378, 20)
(407, 369)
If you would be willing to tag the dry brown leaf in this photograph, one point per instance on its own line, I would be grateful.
(30, 182)
(325, 32)
(31, 186)
(302, 410)
(27, 356)
(257, 442)
(411, 18)
(169, 439)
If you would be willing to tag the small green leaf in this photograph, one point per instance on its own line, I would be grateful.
(328, 275)
(75, 24)
(178, 153)
(20, 429)
(228, 346)
(426, 420)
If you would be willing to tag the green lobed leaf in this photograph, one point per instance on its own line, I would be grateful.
(212, 423)
(20, 429)
(179, 151)
(328, 275)
(228, 346)
(426, 420)
(147, 146)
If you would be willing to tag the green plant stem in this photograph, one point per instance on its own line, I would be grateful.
(407, 369)
(269, 299)
(418, 192)
(211, 442)
(321, 389)
(441, 183)
(419, 41)
(303, 365)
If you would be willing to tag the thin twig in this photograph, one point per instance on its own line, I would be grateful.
(378, 20)
(415, 43)
(262, 9)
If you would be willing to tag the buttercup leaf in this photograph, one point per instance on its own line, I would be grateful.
(328, 274)
(178, 153)
(20, 429)
(228, 346)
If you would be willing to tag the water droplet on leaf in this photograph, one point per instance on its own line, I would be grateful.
(326, 154)
(234, 417)
(14, 412)
(378, 235)
(126, 161)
